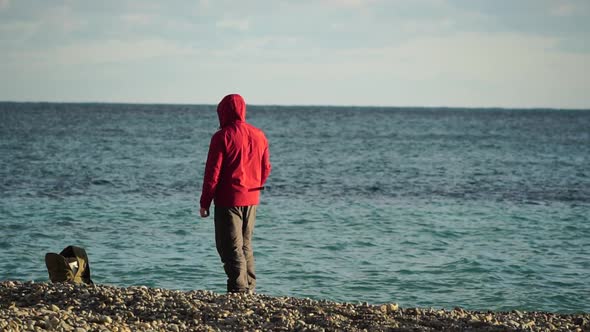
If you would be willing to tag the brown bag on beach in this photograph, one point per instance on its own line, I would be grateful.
(70, 265)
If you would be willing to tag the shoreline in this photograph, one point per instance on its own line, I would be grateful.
(30, 306)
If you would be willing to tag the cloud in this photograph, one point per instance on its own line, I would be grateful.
(349, 3)
(461, 69)
(427, 27)
(19, 31)
(61, 19)
(235, 24)
(563, 9)
(504, 69)
(430, 46)
(140, 19)
(99, 52)
(463, 56)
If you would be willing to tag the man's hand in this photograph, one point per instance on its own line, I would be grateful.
(204, 212)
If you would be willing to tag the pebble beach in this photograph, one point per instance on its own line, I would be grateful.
(30, 306)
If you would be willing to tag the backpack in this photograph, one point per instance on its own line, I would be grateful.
(71, 265)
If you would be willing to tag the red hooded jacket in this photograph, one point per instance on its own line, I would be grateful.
(238, 162)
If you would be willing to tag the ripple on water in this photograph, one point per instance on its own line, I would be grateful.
(378, 205)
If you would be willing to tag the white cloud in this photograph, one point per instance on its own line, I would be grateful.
(18, 31)
(564, 9)
(517, 70)
(350, 3)
(429, 27)
(368, 3)
(61, 18)
(463, 69)
(436, 51)
(235, 24)
(471, 56)
(141, 19)
(99, 52)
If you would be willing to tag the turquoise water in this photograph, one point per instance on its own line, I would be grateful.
(485, 209)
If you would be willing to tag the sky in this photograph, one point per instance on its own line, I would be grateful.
(453, 53)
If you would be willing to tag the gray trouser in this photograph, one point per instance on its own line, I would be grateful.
(234, 227)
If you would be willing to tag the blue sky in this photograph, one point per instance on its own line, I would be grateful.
(465, 53)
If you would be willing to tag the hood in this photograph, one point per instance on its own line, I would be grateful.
(231, 109)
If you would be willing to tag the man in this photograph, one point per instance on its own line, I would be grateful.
(237, 166)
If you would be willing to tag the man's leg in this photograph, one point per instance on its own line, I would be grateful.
(229, 243)
(249, 213)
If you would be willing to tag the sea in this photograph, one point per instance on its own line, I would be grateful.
(485, 209)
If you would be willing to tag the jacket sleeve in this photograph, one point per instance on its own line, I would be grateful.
(266, 167)
(212, 171)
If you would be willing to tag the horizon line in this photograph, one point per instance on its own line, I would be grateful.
(303, 105)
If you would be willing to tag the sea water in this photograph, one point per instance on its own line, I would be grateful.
(479, 208)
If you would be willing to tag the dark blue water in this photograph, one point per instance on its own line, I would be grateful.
(485, 209)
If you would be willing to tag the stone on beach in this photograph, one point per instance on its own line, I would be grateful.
(81, 308)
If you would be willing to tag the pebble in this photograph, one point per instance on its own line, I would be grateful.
(37, 306)
(54, 321)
